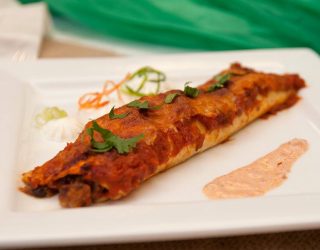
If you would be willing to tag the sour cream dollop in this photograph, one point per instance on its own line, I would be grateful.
(64, 129)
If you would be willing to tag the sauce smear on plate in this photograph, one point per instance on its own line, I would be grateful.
(259, 177)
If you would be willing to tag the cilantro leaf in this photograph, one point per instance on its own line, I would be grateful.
(139, 105)
(142, 105)
(124, 146)
(170, 98)
(157, 107)
(221, 80)
(102, 131)
(113, 116)
(110, 140)
(189, 91)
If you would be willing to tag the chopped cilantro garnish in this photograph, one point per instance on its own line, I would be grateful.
(110, 140)
(113, 116)
(189, 91)
(142, 105)
(170, 98)
(221, 80)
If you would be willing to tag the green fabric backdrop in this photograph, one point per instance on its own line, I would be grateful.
(199, 24)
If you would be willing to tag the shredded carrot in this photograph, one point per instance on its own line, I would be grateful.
(95, 99)
(120, 96)
(118, 85)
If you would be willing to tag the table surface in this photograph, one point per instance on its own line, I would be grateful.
(289, 240)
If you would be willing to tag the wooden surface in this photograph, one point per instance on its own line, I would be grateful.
(304, 240)
(56, 49)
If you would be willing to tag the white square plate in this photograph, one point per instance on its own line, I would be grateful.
(170, 205)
